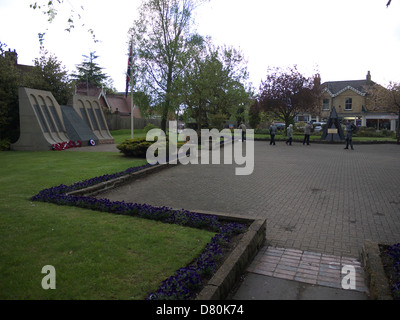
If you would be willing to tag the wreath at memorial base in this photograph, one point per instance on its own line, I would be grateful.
(66, 145)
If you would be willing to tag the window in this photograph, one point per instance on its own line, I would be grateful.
(349, 104)
(325, 104)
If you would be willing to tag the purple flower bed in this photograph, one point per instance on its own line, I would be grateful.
(394, 253)
(186, 280)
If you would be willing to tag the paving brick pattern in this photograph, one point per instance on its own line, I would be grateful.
(307, 267)
(321, 202)
(318, 198)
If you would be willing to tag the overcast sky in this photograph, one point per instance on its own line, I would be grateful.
(342, 39)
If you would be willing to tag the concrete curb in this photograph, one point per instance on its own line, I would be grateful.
(226, 277)
(375, 274)
(113, 183)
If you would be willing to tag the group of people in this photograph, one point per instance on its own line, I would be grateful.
(273, 129)
(350, 127)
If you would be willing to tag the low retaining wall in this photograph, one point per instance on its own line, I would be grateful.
(375, 274)
(227, 276)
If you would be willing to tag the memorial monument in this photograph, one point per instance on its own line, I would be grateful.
(333, 130)
(45, 124)
(41, 121)
(90, 110)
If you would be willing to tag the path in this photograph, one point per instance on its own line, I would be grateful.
(319, 198)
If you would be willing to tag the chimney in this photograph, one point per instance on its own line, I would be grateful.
(369, 81)
(12, 55)
(317, 80)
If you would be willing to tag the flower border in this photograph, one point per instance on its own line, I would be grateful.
(187, 280)
(394, 252)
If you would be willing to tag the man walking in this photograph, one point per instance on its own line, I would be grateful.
(272, 130)
(350, 127)
(307, 132)
(243, 127)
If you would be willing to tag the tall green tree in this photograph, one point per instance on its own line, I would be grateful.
(9, 109)
(90, 73)
(161, 40)
(48, 74)
(212, 87)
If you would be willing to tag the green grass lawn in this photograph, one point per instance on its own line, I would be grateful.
(96, 255)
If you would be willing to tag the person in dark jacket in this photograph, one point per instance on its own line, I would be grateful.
(243, 128)
(350, 127)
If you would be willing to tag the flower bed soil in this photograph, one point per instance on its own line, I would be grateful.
(227, 249)
(388, 265)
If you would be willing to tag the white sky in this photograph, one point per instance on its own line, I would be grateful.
(342, 39)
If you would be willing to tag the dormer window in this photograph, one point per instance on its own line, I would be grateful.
(349, 104)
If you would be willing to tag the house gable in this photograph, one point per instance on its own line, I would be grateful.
(343, 90)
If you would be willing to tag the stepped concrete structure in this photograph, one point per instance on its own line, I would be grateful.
(77, 128)
(44, 123)
(41, 121)
(90, 110)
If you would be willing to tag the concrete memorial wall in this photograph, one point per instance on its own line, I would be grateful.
(45, 125)
(90, 110)
(41, 121)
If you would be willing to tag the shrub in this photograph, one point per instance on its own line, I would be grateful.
(261, 131)
(371, 132)
(149, 127)
(5, 145)
(137, 148)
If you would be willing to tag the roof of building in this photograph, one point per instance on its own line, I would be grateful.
(122, 104)
(115, 102)
(335, 88)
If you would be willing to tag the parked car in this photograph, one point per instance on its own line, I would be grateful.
(280, 125)
(318, 126)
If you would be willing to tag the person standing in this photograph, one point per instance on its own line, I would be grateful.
(272, 130)
(290, 135)
(307, 132)
(243, 127)
(350, 127)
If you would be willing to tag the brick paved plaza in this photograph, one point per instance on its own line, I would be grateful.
(318, 198)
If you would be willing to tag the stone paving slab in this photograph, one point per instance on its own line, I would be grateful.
(259, 287)
(307, 267)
